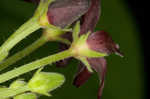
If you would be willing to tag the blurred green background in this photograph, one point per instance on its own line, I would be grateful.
(125, 76)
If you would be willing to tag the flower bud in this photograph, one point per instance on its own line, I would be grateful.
(18, 83)
(26, 96)
(44, 82)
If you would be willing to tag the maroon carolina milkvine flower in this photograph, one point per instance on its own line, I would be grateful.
(62, 13)
(98, 41)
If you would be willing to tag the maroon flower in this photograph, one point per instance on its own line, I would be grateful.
(62, 13)
(88, 23)
(101, 42)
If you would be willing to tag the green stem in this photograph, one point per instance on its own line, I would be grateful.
(13, 59)
(10, 92)
(34, 65)
(50, 35)
(63, 40)
(25, 30)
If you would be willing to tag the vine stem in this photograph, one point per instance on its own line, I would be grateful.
(35, 45)
(35, 65)
(21, 54)
(26, 29)
(10, 92)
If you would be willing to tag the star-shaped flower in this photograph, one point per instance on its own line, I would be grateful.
(101, 42)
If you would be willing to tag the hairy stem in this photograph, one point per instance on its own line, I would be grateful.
(34, 65)
(13, 59)
(25, 30)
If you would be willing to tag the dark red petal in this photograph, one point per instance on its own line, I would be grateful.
(100, 66)
(102, 42)
(64, 12)
(82, 76)
(90, 19)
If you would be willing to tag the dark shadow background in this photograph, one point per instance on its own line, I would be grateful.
(126, 77)
(138, 10)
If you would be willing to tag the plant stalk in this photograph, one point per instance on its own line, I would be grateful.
(25, 30)
(34, 65)
(21, 54)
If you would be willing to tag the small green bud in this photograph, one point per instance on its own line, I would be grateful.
(44, 82)
(26, 96)
(18, 83)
